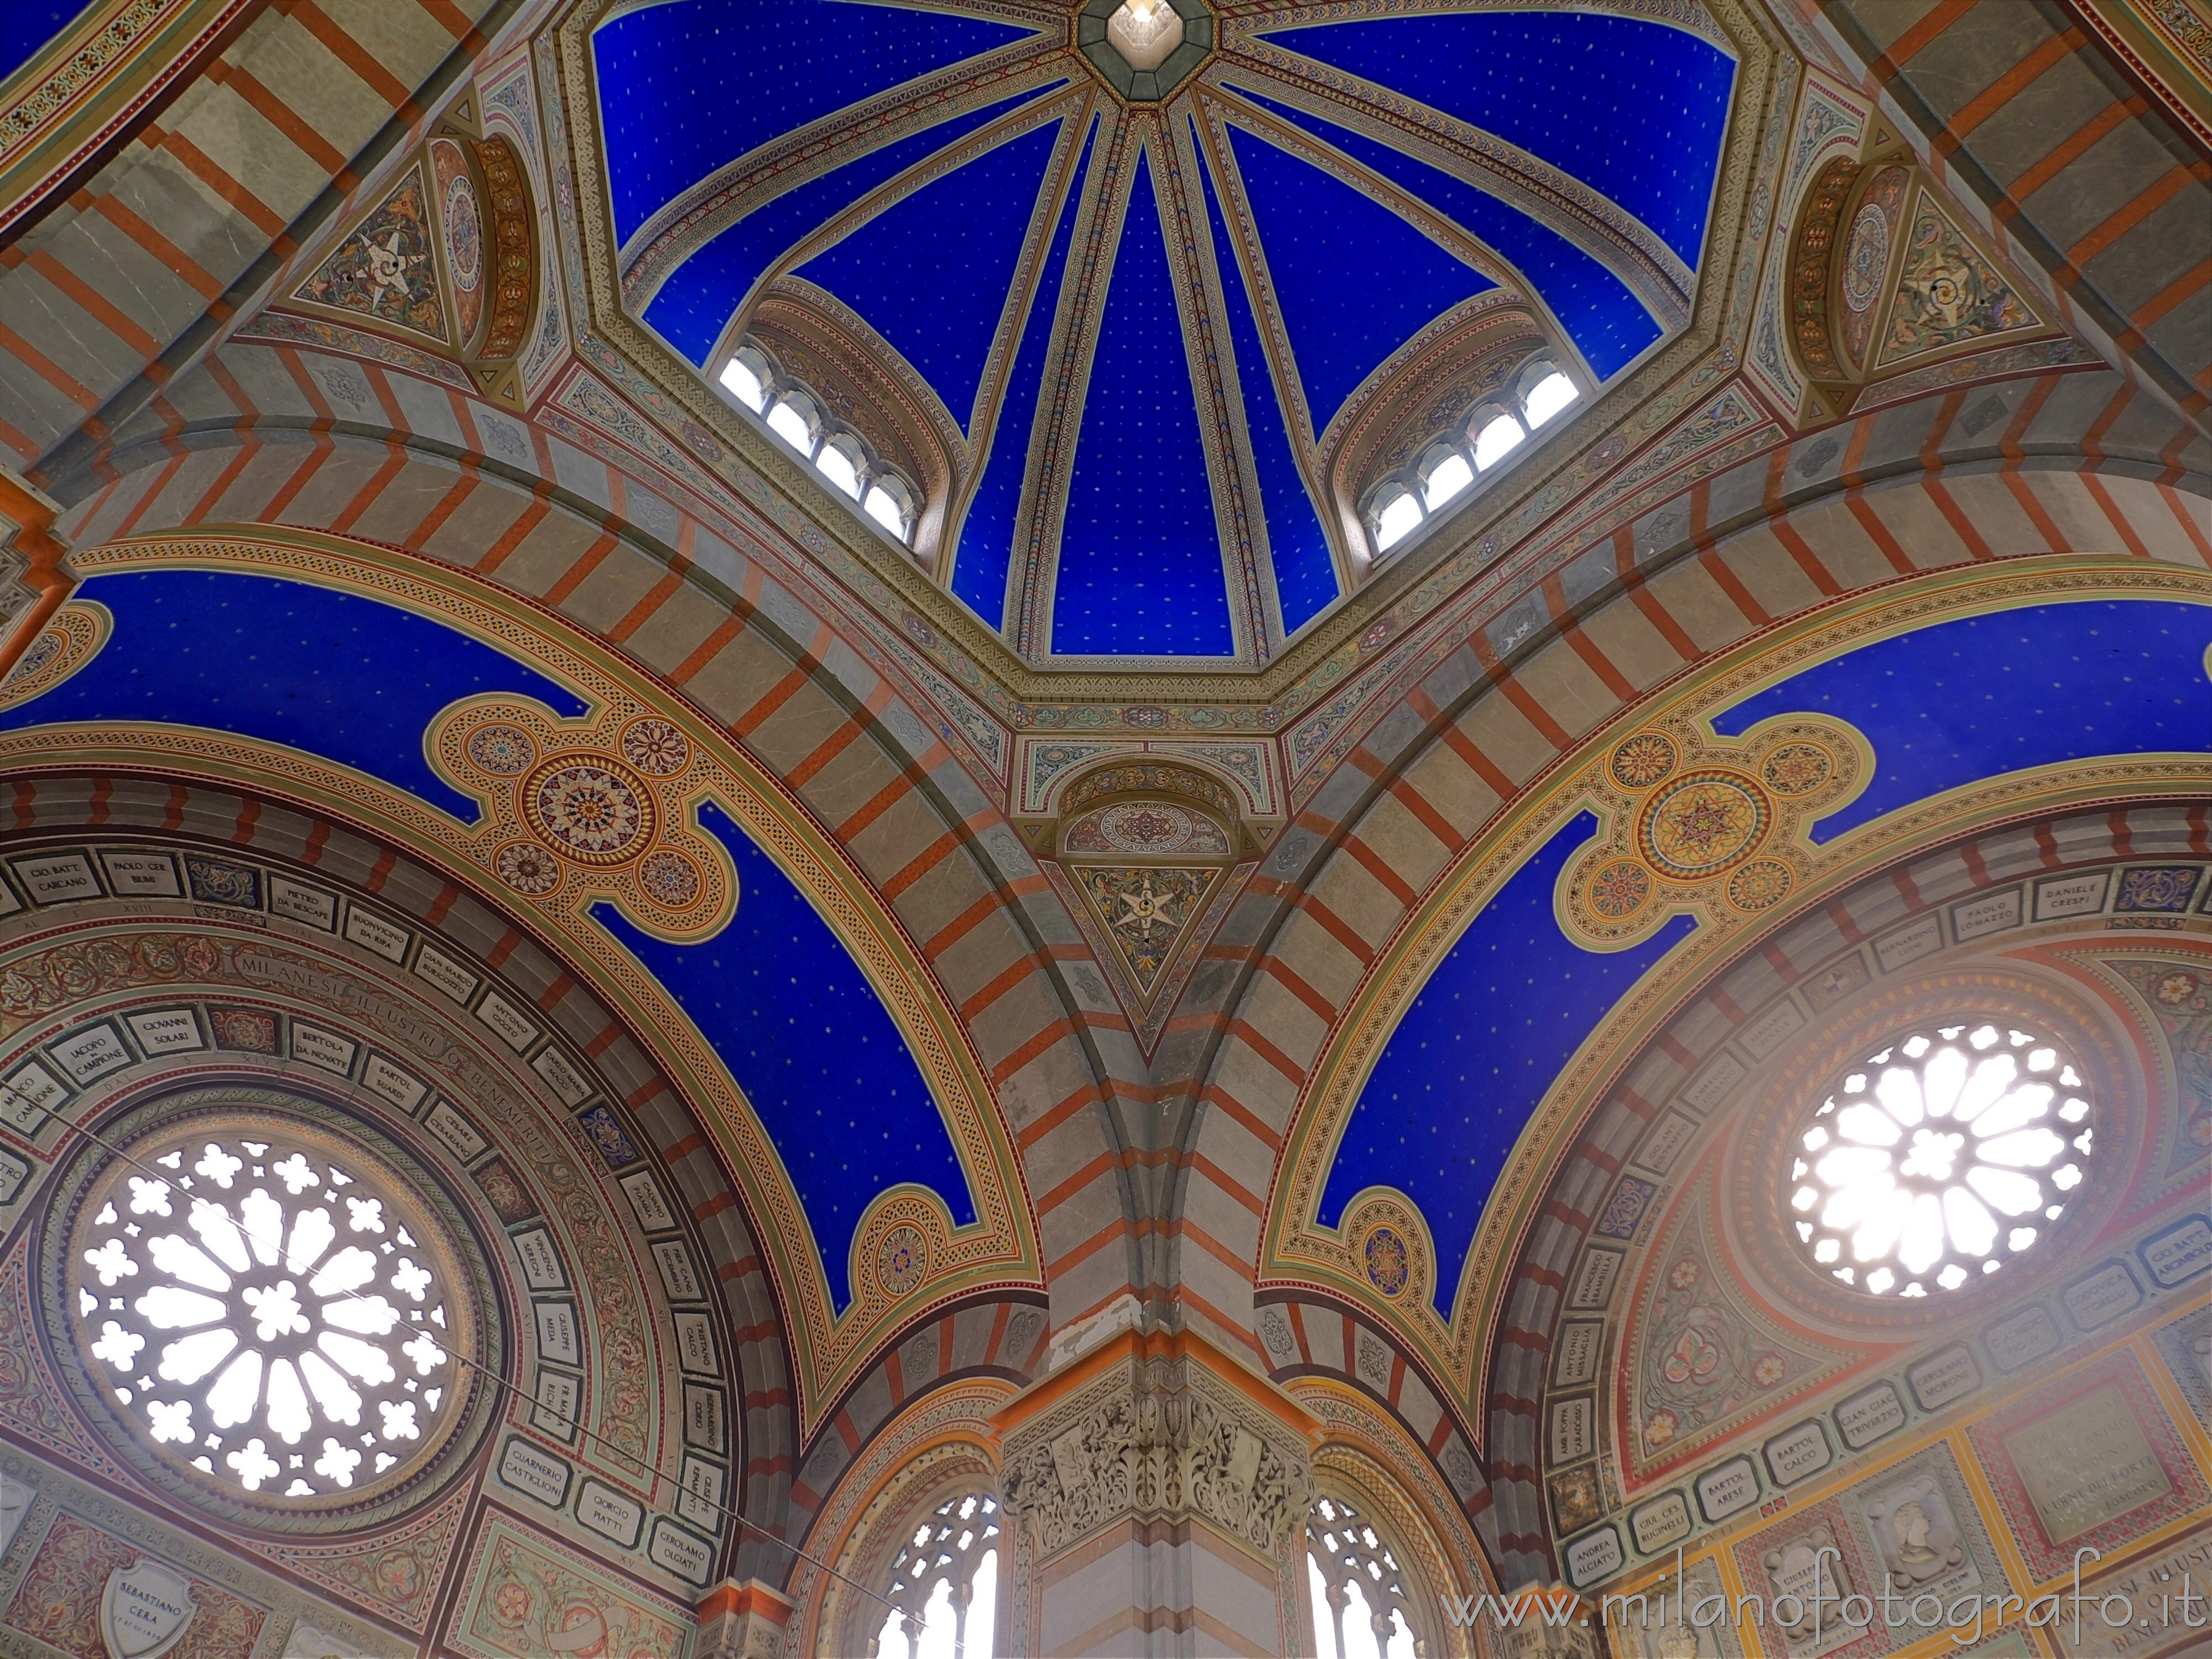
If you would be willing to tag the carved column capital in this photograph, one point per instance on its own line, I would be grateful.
(1157, 1428)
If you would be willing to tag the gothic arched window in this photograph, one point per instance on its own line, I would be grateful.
(944, 1592)
(1363, 1606)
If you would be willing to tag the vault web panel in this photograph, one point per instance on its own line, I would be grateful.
(1140, 561)
(1354, 281)
(1474, 1053)
(778, 65)
(808, 1039)
(334, 674)
(1973, 698)
(1634, 109)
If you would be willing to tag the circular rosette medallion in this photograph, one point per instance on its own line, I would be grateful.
(902, 1259)
(654, 746)
(1760, 884)
(502, 750)
(1619, 889)
(1389, 1264)
(589, 809)
(1797, 769)
(528, 868)
(669, 878)
(1701, 824)
(1642, 761)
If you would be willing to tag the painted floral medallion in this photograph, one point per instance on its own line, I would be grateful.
(1701, 824)
(590, 809)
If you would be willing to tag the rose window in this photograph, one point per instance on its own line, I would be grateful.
(1941, 1158)
(268, 1307)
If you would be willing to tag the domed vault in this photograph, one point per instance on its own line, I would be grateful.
(840, 826)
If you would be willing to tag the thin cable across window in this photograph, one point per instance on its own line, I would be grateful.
(945, 1585)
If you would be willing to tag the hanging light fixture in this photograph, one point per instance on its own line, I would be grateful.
(1145, 32)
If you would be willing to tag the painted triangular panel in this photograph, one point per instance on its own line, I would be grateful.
(1353, 281)
(1147, 912)
(1140, 571)
(965, 230)
(382, 267)
(1947, 293)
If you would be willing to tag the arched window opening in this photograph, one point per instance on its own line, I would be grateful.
(1549, 391)
(746, 375)
(1496, 434)
(1398, 513)
(1445, 473)
(891, 504)
(945, 1585)
(1451, 467)
(792, 421)
(1362, 1607)
(845, 460)
(840, 462)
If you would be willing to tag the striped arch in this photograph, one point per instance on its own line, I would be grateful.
(706, 599)
(2072, 462)
(328, 849)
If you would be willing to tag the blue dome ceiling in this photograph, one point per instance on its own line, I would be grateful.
(1142, 320)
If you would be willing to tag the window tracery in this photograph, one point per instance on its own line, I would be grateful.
(1940, 1157)
(944, 1590)
(1451, 464)
(846, 463)
(267, 1305)
(1362, 1600)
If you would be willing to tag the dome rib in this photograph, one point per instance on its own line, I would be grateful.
(1293, 529)
(946, 327)
(1351, 280)
(717, 284)
(1595, 311)
(983, 556)
(1535, 81)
